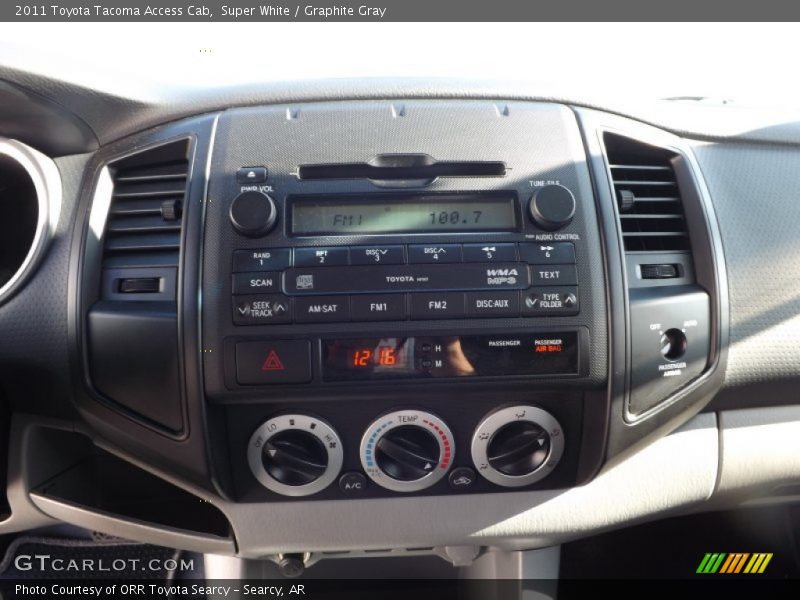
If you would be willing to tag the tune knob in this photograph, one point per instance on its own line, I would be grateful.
(517, 446)
(552, 207)
(295, 455)
(253, 214)
(407, 451)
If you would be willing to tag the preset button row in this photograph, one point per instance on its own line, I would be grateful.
(277, 259)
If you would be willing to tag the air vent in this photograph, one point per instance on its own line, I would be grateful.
(144, 221)
(650, 209)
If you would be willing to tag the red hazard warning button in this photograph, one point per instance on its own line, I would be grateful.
(275, 361)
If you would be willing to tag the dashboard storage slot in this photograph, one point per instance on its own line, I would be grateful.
(71, 471)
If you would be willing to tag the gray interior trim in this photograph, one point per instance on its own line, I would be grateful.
(759, 452)
(129, 528)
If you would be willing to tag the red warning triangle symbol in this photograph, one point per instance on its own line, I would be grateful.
(273, 362)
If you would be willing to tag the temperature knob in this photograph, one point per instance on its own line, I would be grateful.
(407, 451)
(295, 455)
(517, 446)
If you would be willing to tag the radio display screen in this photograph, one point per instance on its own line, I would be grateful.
(403, 214)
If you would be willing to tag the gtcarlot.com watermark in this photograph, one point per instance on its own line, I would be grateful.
(46, 563)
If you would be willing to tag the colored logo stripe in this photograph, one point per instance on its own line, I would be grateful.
(733, 563)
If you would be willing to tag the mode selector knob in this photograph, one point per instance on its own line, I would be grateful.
(552, 207)
(407, 450)
(253, 214)
(295, 455)
(517, 446)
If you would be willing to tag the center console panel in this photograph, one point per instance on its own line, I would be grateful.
(403, 300)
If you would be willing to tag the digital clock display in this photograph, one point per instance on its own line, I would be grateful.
(403, 214)
(440, 356)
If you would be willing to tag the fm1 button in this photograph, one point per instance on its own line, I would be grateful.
(461, 478)
(353, 483)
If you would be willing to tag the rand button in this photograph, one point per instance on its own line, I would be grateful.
(271, 259)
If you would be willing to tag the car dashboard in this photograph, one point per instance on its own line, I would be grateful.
(390, 318)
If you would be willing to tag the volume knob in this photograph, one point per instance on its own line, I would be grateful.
(253, 214)
(552, 207)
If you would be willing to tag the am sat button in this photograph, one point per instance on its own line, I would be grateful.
(322, 309)
(275, 361)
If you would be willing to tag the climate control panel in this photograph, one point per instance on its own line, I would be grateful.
(405, 451)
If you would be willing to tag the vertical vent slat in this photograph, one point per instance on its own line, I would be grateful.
(145, 217)
(647, 194)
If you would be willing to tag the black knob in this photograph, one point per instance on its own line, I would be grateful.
(552, 207)
(407, 453)
(518, 448)
(673, 344)
(253, 214)
(294, 457)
